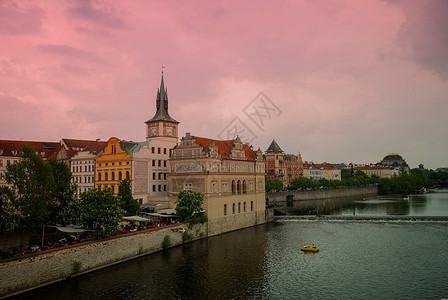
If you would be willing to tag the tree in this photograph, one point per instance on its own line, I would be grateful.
(96, 209)
(188, 203)
(36, 192)
(130, 206)
(273, 185)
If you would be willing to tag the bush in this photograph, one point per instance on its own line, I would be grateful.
(186, 236)
(76, 266)
(201, 219)
(166, 242)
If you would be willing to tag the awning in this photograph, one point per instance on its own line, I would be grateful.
(69, 229)
(136, 219)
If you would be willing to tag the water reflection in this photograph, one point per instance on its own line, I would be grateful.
(431, 204)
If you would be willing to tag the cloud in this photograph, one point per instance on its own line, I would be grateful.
(17, 20)
(424, 34)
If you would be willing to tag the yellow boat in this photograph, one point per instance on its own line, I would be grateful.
(308, 248)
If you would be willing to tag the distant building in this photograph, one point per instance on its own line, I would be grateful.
(229, 174)
(379, 171)
(284, 167)
(394, 160)
(11, 152)
(321, 171)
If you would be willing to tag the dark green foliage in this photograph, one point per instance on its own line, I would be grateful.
(403, 184)
(166, 242)
(96, 210)
(188, 203)
(273, 185)
(36, 194)
(128, 203)
(200, 219)
(186, 236)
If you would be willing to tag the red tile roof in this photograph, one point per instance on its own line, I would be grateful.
(225, 147)
(86, 145)
(13, 148)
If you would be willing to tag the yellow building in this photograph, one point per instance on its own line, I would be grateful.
(114, 164)
(229, 174)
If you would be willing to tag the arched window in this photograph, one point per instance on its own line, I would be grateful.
(244, 186)
(225, 209)
(106, 178)
(233, 187)
(238, 186)
(251, 205)
(239, 207)
(99, 177)
(244, 207)
(113, 175)
(127, 174)
(119, 176)
(233, 208)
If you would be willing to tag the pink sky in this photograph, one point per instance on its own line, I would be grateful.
(350, 81)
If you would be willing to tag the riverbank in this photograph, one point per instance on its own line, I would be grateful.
(25, 274)
(28, 273)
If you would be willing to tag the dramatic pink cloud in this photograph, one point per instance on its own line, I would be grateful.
(352, 80)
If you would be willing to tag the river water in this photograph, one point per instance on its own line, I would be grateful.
(358, 259)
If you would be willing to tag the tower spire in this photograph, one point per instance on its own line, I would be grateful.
(162, 104)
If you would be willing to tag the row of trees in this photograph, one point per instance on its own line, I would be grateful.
(39, 192)
(404, 183)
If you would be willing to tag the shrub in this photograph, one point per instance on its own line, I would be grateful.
(166, 242)
(76, 266)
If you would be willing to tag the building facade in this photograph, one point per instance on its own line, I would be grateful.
(284, 167)
(80, 156)
(379, 171)
(229, 174)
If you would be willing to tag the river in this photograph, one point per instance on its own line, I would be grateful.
(358, 259)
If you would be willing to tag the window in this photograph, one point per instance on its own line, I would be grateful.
(164, 187)
(153, 176)
(158, 150)
(160, 163)
(160, 176)
(160, 187)
(233, 208)
(239, 207)
(164, 176)
(238, 187)
(225, 209)
(119, 176)
(113, 175)
(233, 187)
(153, 163)
(251, 205)
(99, 176)
(244, 186)
(106, 176)
(164, 150)
(153, 150)
(127, 174)
(244, 207)
(164, 163)
(224, 187)
(153, 187)
(214, 187)
(187, 186)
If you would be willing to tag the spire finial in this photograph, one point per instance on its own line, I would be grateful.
(162, 70)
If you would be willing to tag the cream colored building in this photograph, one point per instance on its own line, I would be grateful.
(230, 175)
(379, 171)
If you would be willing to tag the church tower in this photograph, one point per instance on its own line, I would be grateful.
(162, 126)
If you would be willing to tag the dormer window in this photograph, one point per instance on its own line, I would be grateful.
(14, 152)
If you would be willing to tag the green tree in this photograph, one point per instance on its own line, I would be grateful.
(36, 192)
(188, 203)
(130, 206)
(273, 185)
(97, 210)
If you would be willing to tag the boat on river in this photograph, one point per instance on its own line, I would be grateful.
(309, 248)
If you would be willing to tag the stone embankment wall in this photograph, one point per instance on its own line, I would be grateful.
(361, 191)
(52, 266)
(46, 268)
